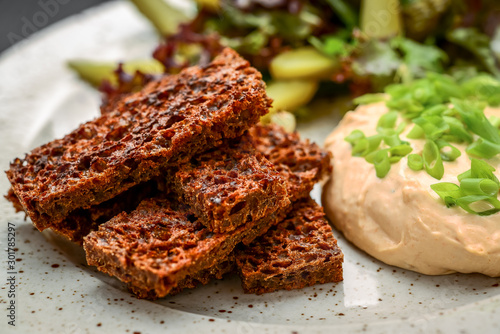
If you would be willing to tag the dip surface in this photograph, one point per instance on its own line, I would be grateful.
(399, 219)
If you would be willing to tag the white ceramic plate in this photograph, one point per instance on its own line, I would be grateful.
(40, 99)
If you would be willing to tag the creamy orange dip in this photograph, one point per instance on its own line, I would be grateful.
(399, 219)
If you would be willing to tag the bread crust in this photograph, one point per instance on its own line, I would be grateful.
(231, 185)
(114, 247)
(299, 251)
(166, 123)
(159, 244)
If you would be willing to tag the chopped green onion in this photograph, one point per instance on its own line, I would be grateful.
(354, 136)
(415, 162)
(448, 151)
(448, 192)
(485, 187)
(457, 129)
(370, 157)
(476, 121)
(481, 169)
(433, 126)
(474, 195)
(369, 98)
(366, 145)
(465, 175)
(495, 121)
(447, 90)
(432, 160)
(400, 150)
(405, 105)
(480, 205)
(394, 159)
(386, 132)
(425, 102)
(436, 110)
(416, 133)
(392, 140)
(401, 127)
(483, 148)
(422, 94)
(484, 88)
(359, 147)
(382, 163)
(388, 120)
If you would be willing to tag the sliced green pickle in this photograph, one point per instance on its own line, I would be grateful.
(303, 63)
(285, 119)
(290, 95)
(164, 17)
(95, 72)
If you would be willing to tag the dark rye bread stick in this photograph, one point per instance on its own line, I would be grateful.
(161, 243)
(230, 185)
(225, 187)
(202, 277)
(299, 251)
(81, 222)
(301, 162)
(107, 248)
(165, 123)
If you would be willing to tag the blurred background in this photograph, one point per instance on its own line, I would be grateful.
(314, 55)
(21, 18)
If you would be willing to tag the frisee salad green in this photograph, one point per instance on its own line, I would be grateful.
(443, 111)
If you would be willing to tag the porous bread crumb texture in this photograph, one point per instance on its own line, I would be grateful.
(202, 255)
(167, 122)
(12, 198)
(159, 244)
(202, 277)
(231, 185)
(80, 223)
(302, 163)
(299, 251)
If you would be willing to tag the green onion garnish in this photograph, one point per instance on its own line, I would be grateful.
(354, 136)
(400, 150)
(433, 126)
(388, 121)
(392, 140)
(485, 187)
(495, 121)
(448, 151)
(477, 192)
(483, 88)
(370, 98)
(432, 160)
(416, 133)
(483, 148)
(479, 169)
(457, 130)
(426, 103)
(436, 110)
(473, 116)
(382, 163)
(480, 205)
(415, 162)
(449, 192)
